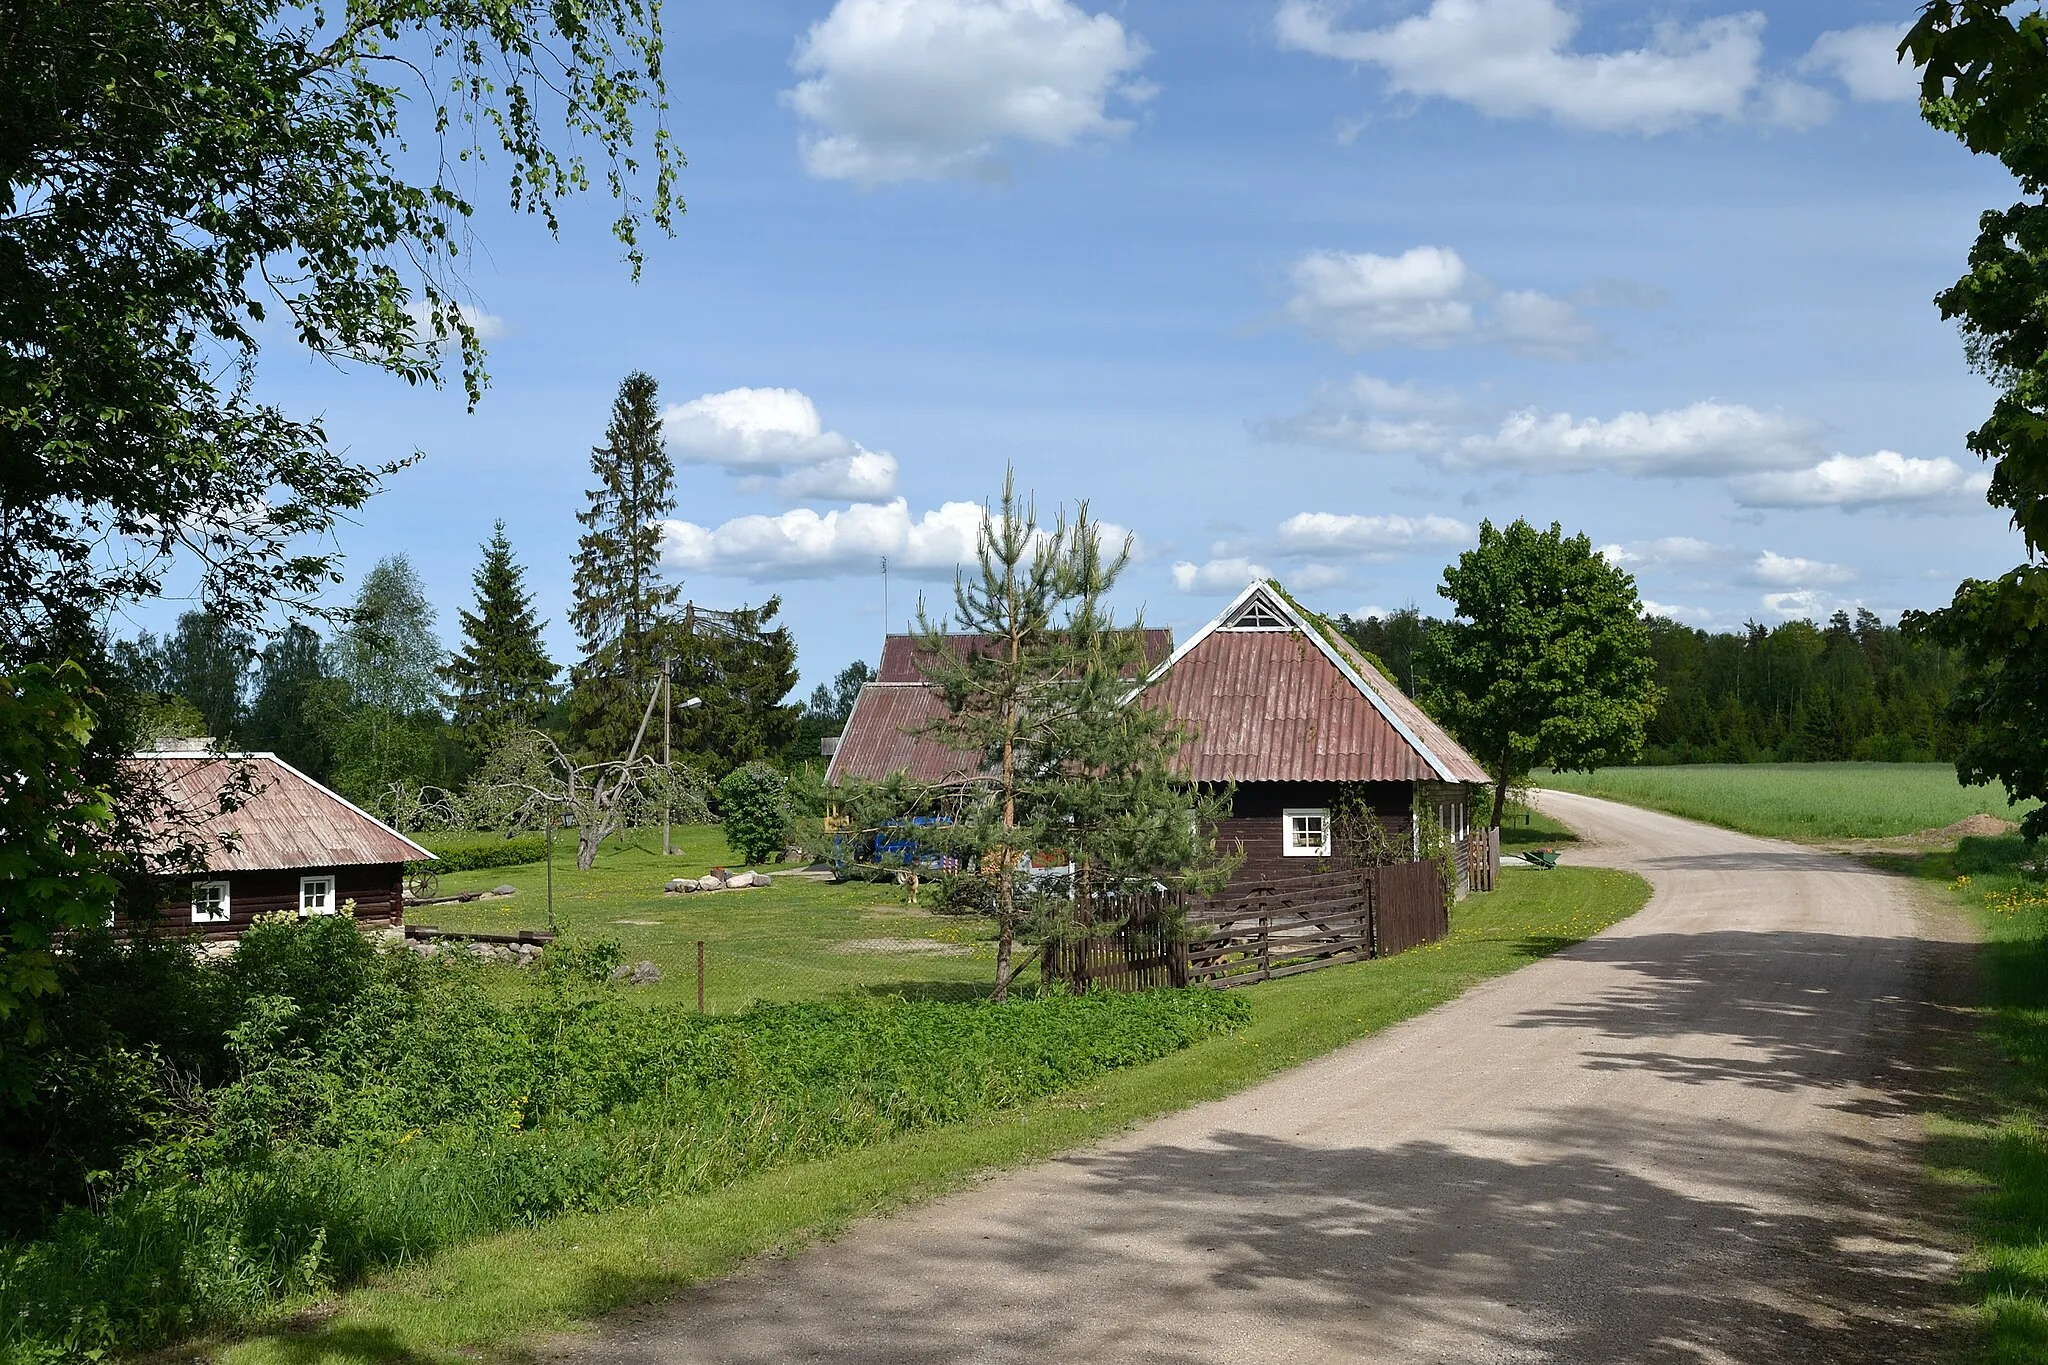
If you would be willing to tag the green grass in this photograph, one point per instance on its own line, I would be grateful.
(1990, 1132)
(488, 1297)
(1804, 801)
(795, 940)
(1521, 827)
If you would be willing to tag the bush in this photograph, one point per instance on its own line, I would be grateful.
(753, 803)
(408, 1108)
(468, 857)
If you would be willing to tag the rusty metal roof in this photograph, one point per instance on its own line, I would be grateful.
(290, 821)
(1272, 699)
(1278, 701)
(899, 652)
(881, 737)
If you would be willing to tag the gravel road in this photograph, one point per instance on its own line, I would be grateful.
(1689, 1139)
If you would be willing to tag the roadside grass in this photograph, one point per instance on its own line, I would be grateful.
(1801, 801)
(1523, 827)
(798, 939)
(1990, 1137)
(494, 1296)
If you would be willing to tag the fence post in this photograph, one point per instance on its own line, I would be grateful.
(700, 976)
(1265, 948)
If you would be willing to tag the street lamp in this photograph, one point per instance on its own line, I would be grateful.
(667, 793)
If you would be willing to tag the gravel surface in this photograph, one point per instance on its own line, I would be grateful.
(1690, 1139)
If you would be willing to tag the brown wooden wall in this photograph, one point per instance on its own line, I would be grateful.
(1255, 823)
(377, 889)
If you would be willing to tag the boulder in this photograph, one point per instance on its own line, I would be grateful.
(710, 882)
(505, 890)
(679, 885)
(636, 974)
(740, 879)
(763, 879)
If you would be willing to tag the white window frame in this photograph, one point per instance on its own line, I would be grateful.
(1294, 849)
(327, 883)
(223, 909)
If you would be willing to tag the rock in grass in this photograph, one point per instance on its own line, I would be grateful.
(708, 882)
(679, 885)
(636, 974)
(763, 879)
(740, 879)
(505, 890)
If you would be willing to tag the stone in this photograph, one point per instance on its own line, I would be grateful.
(506, 890)
(636, 973)
(680, 885)
(740, 879)
(763, 879)
(708, 882)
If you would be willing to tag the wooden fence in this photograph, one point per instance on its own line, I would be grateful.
(1262, 930)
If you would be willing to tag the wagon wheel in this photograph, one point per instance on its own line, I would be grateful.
(421, 885)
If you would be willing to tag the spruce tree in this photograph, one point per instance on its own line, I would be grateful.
(622, 606)
(501, 680)
(744, 670)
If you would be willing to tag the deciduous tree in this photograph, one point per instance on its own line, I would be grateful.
(1546, 659)
(1984, 78)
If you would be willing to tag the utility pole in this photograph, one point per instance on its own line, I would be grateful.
(667, 794)
(885, 596)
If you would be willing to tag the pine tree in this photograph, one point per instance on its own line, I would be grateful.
(501, 680)
(743, 669)
(622, 606)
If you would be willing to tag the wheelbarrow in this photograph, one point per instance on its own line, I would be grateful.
(1545, 858)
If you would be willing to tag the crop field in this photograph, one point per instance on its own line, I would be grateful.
(1804, 801)
(799, 939)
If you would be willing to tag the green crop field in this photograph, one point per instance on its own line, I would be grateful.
(1809, 801)
(798, 939)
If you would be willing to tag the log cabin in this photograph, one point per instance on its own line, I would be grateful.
(290, 845)
(1281, 708)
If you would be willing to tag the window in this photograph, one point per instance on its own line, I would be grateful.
(1305, 833)
(1257, 614)
(209, 902)
(316, 895)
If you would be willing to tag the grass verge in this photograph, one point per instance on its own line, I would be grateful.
(1990, 1136)
(491, 1296)
(1804, 801)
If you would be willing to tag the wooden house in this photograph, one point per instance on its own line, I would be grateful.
(1280, 707)
(290, 845)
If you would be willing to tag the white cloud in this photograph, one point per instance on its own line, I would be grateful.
(1705, 438)
(776, 435)
(1790, 571)
(1803, 602)
(1884, 479)
(1512, 59)
(804, 543)
(1666, 552)
(1370, 537)
(1426, 297)
(1684, 615)
(487, 326)
(1216, 577)
(923, 89)
(1866, 61)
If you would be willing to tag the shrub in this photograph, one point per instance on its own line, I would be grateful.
(753, 803)
(468, 857)
(427, 1110)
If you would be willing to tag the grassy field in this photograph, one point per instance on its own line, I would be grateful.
(1805, 801)
(798, 939)
(492, 1295)
(1990, 1133)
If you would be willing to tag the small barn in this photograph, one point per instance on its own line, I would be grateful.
(290, 845)
(1292, 714)
(1296, 721)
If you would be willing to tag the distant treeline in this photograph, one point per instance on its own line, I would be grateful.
(1800, 692)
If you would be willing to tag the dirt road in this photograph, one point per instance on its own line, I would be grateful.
(1689, 1139)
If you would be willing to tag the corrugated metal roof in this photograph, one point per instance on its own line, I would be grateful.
(1463, 767)
(290, 821)
(1268, 706)
(881, 738)
(899, 652)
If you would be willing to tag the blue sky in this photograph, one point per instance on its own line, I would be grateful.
(1288, 287)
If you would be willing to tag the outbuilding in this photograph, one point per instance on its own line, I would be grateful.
(288, 844)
